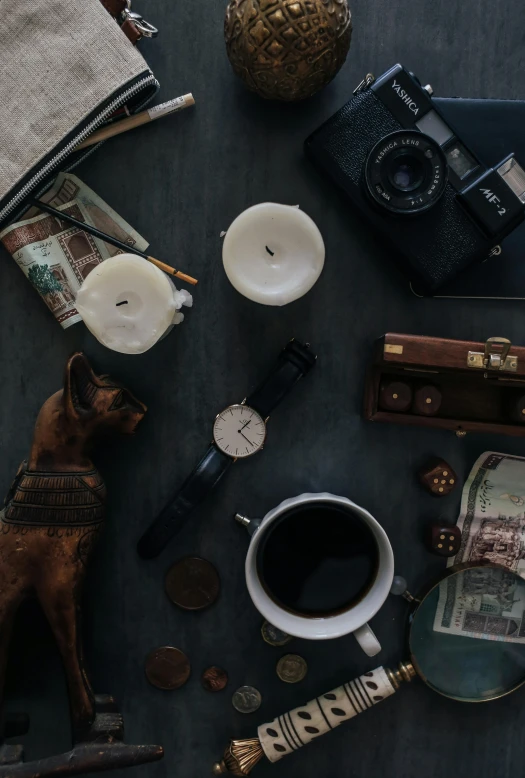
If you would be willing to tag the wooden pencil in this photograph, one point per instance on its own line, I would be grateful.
(114, 241)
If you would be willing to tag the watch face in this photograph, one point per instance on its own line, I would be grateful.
(239, 431)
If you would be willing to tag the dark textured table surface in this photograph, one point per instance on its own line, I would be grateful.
(180, 182)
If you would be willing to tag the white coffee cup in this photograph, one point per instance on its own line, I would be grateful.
(354, 619)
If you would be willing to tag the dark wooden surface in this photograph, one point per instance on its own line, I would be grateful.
(181, 181)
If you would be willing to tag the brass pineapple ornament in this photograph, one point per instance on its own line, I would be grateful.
(287, 49)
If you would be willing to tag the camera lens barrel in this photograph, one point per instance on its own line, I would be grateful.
(406, 172)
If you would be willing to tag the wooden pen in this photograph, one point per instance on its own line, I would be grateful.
(164, 109)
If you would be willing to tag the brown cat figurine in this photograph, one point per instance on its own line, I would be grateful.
(53, 516)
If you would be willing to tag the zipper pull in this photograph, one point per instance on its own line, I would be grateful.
(367, 81)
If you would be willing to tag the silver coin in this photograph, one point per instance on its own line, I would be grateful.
(247, 699)
(273, 635)
(291, 668)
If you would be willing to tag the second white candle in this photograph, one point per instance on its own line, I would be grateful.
(273, 254)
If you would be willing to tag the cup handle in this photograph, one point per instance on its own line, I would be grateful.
(252, 525)
(367, 640)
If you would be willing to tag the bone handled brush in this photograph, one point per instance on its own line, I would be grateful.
(294, 730)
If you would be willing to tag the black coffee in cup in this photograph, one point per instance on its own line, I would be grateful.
(318, 560)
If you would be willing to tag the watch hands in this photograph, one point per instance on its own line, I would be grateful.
(245, 425)
(245, 438)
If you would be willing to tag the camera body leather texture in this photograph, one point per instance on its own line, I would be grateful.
(431, 247)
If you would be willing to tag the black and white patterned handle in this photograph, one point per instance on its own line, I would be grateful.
(293, 730)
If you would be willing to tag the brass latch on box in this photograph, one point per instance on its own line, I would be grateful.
(495, 357)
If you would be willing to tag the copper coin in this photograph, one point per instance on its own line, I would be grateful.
(192, 583)
(214, 679)
(167, 668)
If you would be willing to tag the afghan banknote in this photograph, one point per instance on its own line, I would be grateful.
(484, 602)
(55, 256)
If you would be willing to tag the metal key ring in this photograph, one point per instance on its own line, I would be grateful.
(147, 29)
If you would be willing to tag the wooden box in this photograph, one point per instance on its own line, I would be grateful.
(448, 384)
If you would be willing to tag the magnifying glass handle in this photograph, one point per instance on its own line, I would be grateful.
(293, 730)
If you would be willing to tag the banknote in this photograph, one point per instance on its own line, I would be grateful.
(55, 256)
(484, 602)
(68, 187)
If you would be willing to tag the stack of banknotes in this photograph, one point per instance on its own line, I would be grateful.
(55, 256)
(483, 602)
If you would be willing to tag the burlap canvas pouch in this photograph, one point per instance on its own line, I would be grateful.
(65, 68)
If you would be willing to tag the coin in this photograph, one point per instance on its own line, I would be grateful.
(273, 635)
(192, 583)
(247, 699)
(167, 668)
(214, 679)
(291, 668)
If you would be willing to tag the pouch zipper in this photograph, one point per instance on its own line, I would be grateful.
(70, 147)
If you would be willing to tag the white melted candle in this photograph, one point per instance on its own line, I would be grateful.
(129, 304)
(273, 254)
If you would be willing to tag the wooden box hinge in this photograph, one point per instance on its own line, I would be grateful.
(496, 357)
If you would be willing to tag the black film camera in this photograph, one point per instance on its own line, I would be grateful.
(404, 166)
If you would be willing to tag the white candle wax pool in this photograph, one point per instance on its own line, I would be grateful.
(129, 304)
(273, 254)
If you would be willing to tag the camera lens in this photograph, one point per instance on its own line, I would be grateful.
(406, 172)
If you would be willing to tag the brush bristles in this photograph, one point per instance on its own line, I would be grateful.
(241, 756)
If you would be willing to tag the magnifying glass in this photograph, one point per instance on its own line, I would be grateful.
(466, 641)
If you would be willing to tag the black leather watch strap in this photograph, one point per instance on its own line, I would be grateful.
(195, 488)
(294, 362)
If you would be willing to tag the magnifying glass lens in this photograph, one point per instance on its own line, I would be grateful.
(467, 638)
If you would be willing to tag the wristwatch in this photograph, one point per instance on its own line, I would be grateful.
(239, 431)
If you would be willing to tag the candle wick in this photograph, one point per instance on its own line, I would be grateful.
(124, 302)
(271, 253)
